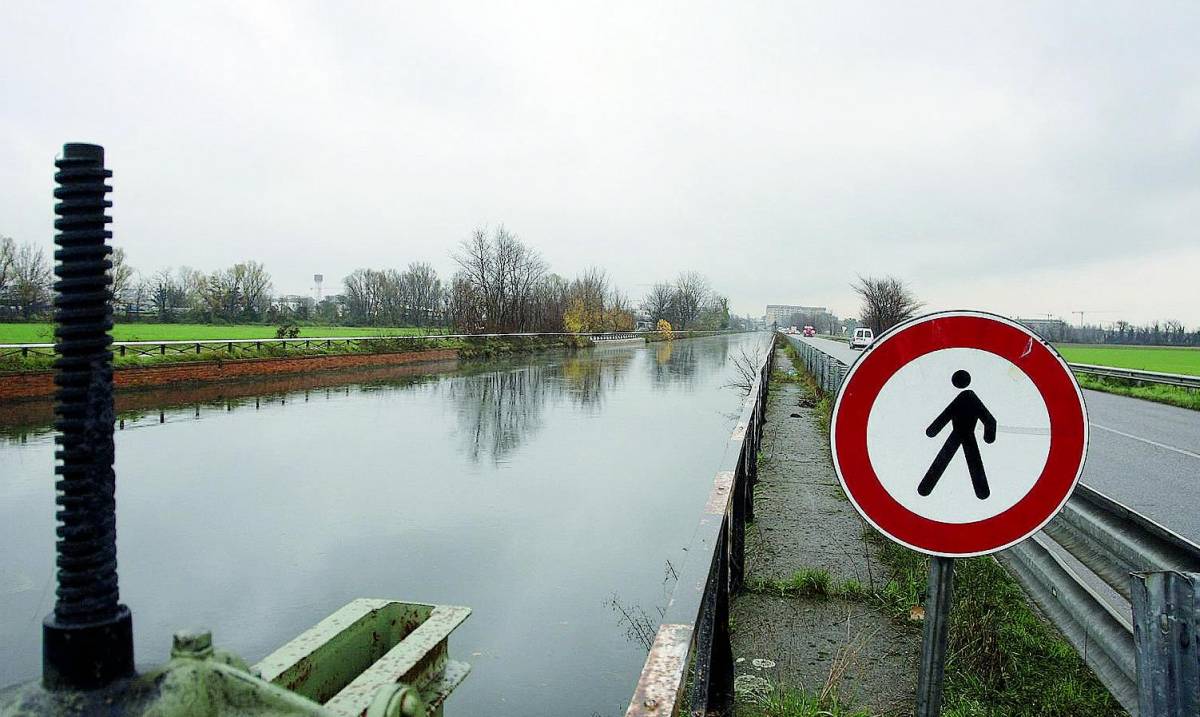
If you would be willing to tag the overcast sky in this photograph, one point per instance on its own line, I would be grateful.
(1022, 158)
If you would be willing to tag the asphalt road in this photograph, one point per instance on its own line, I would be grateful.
(1143, 454)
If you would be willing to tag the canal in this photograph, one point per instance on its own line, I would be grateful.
(552, 493)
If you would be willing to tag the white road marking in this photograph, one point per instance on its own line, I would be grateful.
(1156, 444)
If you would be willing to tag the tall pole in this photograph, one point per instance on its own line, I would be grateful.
(87, 642)
(937, 631)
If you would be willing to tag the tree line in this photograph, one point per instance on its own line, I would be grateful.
(1155, 333)
(886, 301)
(501, 284)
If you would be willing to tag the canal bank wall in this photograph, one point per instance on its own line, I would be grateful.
(26, 385)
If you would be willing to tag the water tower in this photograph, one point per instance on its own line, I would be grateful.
(318, 279)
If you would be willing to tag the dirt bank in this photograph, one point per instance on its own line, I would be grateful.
(22, 385)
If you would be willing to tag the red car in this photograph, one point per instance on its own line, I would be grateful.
(810, 331)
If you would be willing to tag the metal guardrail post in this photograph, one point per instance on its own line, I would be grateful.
(1166, 608)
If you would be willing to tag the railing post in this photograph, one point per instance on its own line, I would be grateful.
(737, 520)
(1165, 613)
(712, 677)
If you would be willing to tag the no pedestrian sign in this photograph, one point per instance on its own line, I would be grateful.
(959, 433)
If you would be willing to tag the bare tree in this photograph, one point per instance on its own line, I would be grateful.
(659, 303)
(8, 250)
(122, 274)
(714, 314)
(137, 295)
(165, 294)
(255, 284)
(364, 290)
(886, 301)
(551, 300)
(691, 293)
(31, 279)
(500, 276)
(241, 292)
(422, 293)
(745, 370)
(191, 283)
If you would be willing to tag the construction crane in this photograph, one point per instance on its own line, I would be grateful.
(1093, 311)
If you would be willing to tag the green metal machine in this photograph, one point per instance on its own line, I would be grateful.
(379, 658)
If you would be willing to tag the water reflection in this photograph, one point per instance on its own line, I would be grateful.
(497, 411)
(500, 410)
(24, 420)
(681, 363)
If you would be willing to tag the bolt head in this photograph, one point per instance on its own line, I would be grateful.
(192, 643)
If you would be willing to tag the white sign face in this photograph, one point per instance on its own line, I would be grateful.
(902, 452)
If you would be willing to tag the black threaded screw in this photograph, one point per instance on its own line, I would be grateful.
(88, 639)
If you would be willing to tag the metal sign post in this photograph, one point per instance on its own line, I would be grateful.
(940, 594)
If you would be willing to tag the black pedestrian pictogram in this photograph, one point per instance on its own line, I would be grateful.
(963, 413)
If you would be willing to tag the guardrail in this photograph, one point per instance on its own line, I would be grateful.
(690, 668)
(1078, 569)
(1132, 374)
(232, 346)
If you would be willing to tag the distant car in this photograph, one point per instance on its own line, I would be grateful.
(790, 330)
(862, 338)
(810, 331)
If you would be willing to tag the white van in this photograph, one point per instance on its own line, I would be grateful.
(862, 338)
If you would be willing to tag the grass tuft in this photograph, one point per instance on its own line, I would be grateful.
(1003, 659)
(784, 702)
(808, 582)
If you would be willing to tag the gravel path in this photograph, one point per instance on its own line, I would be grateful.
(804, 522)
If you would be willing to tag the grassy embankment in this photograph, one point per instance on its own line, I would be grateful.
(1003, 658)
(467, 348)
(1165, 359)
(39, 333)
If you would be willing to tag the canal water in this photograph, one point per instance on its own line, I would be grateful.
(553, 494)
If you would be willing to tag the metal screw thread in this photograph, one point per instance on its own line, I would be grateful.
(87, 536)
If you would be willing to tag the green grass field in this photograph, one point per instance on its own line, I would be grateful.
(44, 332)
(1147, 358)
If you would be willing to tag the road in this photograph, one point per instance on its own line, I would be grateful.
(1143, 454)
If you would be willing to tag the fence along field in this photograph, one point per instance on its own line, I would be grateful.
(38, 333)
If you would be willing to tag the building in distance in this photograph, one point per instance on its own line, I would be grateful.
(1049, 329)
(781, 314)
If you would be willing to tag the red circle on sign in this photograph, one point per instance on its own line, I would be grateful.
(959, 329)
